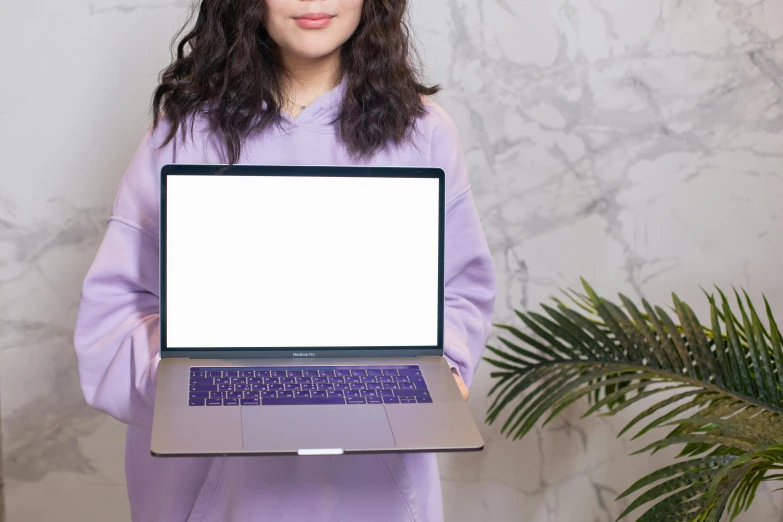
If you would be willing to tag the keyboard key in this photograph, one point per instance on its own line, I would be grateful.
(271, 380)
(358, 386)
(410, 393)
(295, 373)
(401, 378)
(250, 395)
(326, 386)
(197, 375)
(293, 402)
(204, 388)
(230, 373)
(292, 387)
(285, 394)
(320, 380)
(268, 395)
(333, 393)
(234, 394)
(368, 393)
(343, 373)
(386, 378)
(223, 380)
(353, 380)
(225, 387)
(197, 402)
(319, 394)
(369, 379)
(390, 372)
(352, 393)
(374, 400)
(209, 381)
(374, 386)
(310, 373)
(258, 387)
(217, 395)
(242, 387)
(423, 398)
(278, 373)
(307, 387)
(262, 373)
(407, 386)
(214, 373)
(238, 380)
(355, 400)
(327, 373)
(230, 402)
(374, 372)
(336, 379)
(214, 402)
(342, 386)
(360, 373)
(304, 380)
(276, 387)
(391, 400)
(407, 400)
(249, 402)
(301, 394)
(390, 386)
(287, 380)
(247, 373)
(410, 372)
(385, 393)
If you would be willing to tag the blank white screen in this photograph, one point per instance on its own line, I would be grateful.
(277, 261)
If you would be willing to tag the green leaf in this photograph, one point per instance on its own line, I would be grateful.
(738, 351)
(755, 355)
(671, 351)
(586, 343)
(731, 371)
(699, 439)
(688, 478)
(698, 342)
(674, 335)
(777, 343)
(522, 336)
(676, 469)
(757, 332)
(655, 347)
(658, 407)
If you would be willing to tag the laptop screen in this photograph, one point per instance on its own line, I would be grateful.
(287, 261)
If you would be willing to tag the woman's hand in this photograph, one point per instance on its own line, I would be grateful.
(462, 386)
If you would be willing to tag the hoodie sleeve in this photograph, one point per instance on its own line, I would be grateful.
(469, 273)
(117, 328)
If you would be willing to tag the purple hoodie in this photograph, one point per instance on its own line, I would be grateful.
(117, 339)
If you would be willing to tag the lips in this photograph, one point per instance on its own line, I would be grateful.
(314, 20)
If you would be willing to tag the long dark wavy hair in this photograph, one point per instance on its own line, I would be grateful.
(227, 67)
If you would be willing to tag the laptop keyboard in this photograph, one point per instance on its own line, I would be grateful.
(289, 386)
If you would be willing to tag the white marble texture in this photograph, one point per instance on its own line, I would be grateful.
(636, 143)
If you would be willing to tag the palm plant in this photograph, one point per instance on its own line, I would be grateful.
(719, 389)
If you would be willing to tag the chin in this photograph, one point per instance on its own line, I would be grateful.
(313, 52)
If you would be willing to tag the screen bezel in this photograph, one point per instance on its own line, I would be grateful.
(302, 171)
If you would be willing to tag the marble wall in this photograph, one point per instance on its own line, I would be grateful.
(636, 143)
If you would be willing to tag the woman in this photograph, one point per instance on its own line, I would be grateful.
(323, 82)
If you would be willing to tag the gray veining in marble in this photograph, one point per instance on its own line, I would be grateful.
(635, 143)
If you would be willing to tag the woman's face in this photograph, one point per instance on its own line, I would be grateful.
(311, 29)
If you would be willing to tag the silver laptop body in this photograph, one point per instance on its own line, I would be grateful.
(301, 312)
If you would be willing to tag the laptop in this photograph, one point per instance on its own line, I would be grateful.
(301, 313)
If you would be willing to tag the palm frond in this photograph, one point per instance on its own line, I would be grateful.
(719, 390)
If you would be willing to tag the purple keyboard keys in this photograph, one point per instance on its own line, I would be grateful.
(348, 385)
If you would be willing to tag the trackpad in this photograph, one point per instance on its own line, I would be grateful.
(291, 428)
